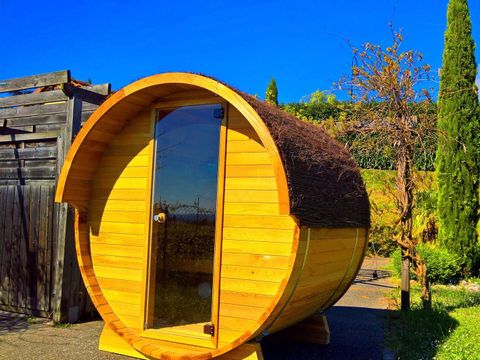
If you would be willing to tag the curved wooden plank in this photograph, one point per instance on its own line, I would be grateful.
(131, 96)
(108, 119)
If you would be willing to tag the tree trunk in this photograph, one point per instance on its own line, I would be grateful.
(405, 298)
(426, 294)
(409, 249)
(404, 184)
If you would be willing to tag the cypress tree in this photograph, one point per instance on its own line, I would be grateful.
(458, 132)
(271, 95)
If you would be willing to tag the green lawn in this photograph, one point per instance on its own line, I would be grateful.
(451, 330)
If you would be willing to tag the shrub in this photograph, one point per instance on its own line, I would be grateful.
(443, 266)
(396, 257)
(381, 187)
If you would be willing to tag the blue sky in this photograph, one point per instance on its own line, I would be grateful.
(303, 44)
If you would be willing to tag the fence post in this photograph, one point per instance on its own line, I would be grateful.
(65, 259)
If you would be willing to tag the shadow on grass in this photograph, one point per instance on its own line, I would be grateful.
(418, 333)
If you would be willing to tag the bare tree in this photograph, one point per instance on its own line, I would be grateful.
(390, 105)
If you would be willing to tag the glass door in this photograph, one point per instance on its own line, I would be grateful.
(184, 205)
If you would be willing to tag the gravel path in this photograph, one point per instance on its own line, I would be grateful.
(355, 324)
(26, 338)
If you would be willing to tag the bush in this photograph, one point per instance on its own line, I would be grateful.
(397, 262)
(443, 266)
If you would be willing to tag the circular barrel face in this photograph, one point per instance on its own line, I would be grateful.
(183, 228)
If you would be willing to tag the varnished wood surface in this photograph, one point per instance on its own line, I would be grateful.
(258, 242)
(133, 98)
(332, 261)
(271, 274)
(119, 229)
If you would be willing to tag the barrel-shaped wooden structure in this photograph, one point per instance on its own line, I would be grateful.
(292, 217)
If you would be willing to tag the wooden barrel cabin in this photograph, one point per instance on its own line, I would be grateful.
(207, 219)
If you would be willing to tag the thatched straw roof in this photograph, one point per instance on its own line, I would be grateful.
(325, 185)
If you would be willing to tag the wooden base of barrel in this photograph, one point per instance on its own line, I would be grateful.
(274, 263)
(111, 342)
(314, 330)
(248, 351)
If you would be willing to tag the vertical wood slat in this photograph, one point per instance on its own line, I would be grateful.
(32, 246)
(72, 277)
(3, 244)
(67, 276)
(58, 305)
(26, 244)
(42, 276)
(19, 256)
(3, 205)
(24, 197)
(7, 240)
(10, 264)
(51, 243)
(14, 255)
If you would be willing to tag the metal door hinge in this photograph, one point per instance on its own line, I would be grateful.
(209, 329)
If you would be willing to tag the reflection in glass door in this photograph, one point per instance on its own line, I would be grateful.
(183, 216)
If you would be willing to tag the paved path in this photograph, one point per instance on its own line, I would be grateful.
(355, 325)
(23, 338)
(356, 322)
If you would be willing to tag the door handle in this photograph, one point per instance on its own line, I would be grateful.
(160, 217)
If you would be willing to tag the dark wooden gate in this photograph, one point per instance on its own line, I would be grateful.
(27, 225)
(38, 120)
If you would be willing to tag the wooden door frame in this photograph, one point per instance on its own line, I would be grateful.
(149, 256)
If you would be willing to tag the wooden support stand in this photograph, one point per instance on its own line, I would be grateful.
(111, 342)
(247, 351)
(313, 329)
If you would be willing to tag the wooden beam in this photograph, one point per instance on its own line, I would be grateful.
(102, 89)
(32, 99)
(46, 172)
(37, 120)
(83, 94)
(29, 136)
(4, 130)
(28, 153)
(64, 252)
(27, 182)
(32, 110)
(28, 82)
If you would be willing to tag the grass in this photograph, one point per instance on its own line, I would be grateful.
(450, 330)
(63, 325)
(34, 320)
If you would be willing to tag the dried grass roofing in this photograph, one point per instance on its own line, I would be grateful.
(325, 185)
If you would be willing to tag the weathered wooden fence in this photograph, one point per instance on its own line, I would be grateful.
(39, 117)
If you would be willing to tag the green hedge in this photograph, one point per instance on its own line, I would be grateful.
(379, 154)
(443, 266)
